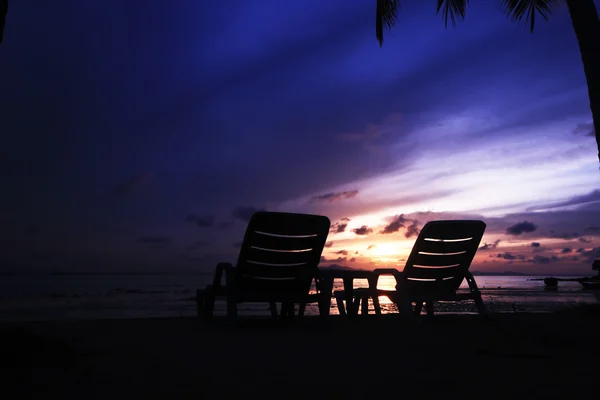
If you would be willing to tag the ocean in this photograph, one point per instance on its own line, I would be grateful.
(96, 296)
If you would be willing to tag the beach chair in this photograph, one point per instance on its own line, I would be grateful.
(277, 262)
(438, 263)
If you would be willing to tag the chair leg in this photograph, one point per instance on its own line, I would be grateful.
(376, 304)
(284, 311)
(273, 309)
(231, 307)
(479, 304)
(365, 304)
(429, 308)
(418, 307)
(205, 302)
(301, 309)
(356, 301)
(339, 299)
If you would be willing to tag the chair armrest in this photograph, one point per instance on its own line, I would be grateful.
(389, 271)
(228, 268)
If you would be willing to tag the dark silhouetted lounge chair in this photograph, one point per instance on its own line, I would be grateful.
(438, 263)
(278, 260)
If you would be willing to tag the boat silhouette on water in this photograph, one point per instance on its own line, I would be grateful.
(593, 282)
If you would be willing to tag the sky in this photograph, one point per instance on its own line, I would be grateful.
(141, 137)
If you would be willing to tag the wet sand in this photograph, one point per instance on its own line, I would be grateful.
(519, 355)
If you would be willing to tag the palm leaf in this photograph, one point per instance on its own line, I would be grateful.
(519, 9)
(452, 9)
(387, 15)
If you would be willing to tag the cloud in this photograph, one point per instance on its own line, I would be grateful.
(535, 244)
(132, 184)
(343, 252)
(395, 225)
(328, 244)
(412, 230)
(566, 250)
(585, 129)
(352, 259)
(336, 196)
(363, 230)
(154, 240)
(338, 227)
(592, 254)
(510, 256)
(592, 230)
(489, 246)
(203, 221)
(564, 235)
(521, 227)
(592, 197)
(538, 259)
(371, 246)
(245, 213)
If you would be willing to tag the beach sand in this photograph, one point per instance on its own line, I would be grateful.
(517, 355)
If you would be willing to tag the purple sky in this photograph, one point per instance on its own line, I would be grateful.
(139, 137)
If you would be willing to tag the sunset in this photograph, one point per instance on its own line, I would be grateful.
(171, 167)
(460, 120)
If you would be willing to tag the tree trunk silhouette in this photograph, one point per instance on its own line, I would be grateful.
(3, 11)
(586, 24)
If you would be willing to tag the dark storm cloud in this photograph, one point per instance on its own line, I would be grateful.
(564, 235)
(363, 230)
(592, 197)
(592, 230)
(521, 227)
(412, 230)
(336, 196)
(539, 259)
(510, 256)
(592, 254)
(585, 129)
(489, 246)
(203, 221)
(394, 226)
(338, 227)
